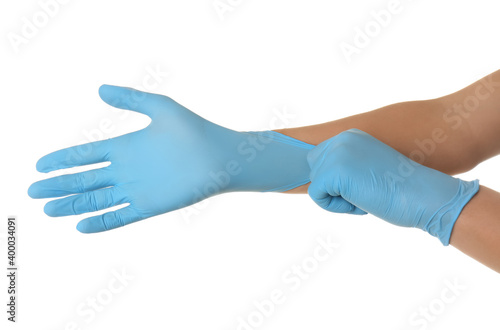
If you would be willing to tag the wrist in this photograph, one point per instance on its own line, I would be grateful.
(268, 161)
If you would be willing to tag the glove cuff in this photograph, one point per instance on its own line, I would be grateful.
(271, 161)
(444, 219)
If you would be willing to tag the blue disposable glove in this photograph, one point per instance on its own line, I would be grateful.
(178, 160)
(353, 172)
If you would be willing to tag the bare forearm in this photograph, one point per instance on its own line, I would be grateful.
(477, 230)
(415, 128)
(452, 134)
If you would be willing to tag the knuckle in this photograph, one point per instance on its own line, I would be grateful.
(163, 98)
(92, 202)
(105, 223)
(352, 136)
(80, 182)
(344, 136)
(109, 199)
(160, 102)
(119, 219)
(112, 220)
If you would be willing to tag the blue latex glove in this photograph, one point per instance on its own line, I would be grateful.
(353, 172)
(178, 160)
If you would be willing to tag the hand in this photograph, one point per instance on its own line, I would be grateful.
(353, 172)
(178, 160)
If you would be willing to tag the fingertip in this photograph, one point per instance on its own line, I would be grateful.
(91, 225)
(50, 209)
(105, 87)
(42, 166)
(83, 227)
(37, 190)
(123, 98)
(33, 190)
(104, 91)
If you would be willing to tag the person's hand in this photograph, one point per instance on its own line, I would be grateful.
(353, 172)
(178, 160)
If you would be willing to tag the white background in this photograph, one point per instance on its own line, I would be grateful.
(207, 272)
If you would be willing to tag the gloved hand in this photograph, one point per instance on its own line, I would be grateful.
(355, 173)
(178, 160)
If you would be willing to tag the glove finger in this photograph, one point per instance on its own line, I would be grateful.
(325, 199)
(313, 155)
(132, 99)
(84, 154)
(87, 202)
(357, 211)
(337, 204)
(109, 220)
(330, 200)
(68, 184)
(316, 155)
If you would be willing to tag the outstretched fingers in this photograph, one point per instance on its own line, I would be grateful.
(68, 184)
(90, 201)
(84, 154)
(109, 220)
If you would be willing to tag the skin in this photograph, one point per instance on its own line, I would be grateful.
(477, 230)
(460, 130)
